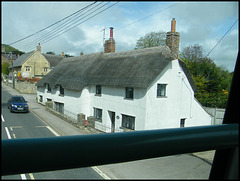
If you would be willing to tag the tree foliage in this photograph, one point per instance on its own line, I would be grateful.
(213, 82)
(152, 39)
(51, 53)
(5, 69)
(9, 48)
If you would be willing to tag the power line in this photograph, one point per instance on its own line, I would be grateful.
(58, 29)
(51, 25)
(222, 38)
(133, 22)
(78, 23)
(146, 17)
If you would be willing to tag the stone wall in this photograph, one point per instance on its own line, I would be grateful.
(80, 122)
(25, 87)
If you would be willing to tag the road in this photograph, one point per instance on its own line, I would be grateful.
(28, 125)
(184, 166)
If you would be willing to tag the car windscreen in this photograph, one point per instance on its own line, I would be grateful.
(18, 99)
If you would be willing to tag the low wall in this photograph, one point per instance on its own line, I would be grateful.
(25, 87)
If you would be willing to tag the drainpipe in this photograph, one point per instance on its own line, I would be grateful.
(191, 96)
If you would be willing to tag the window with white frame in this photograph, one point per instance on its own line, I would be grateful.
(97, 113)
(182, 123)
(98, 90)
(128, 122)
(161, 90)
(48, 88)
(45, 69)
(129, 92)
(27, 68)
(61, 89)
(59, 107)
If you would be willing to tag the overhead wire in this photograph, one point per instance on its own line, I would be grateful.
(60, 27)
(117, 29)
(79, 23)
(51, 25)
(222, 38)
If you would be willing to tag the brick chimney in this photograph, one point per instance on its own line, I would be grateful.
(63, 54)
(172, 39)
(109, 46)
(39, 47)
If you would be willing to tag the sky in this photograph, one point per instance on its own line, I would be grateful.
(203, 23)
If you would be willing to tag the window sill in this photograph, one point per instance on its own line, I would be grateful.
(62, 95)
(48, 91)
(125, 129)
(161, 96)
(130, 99)
(99, 95)
(99, 120)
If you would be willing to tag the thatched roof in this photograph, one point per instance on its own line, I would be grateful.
(53, 59)
(137, 68)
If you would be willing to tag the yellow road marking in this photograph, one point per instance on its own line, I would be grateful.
(13, 127)
(31, 176)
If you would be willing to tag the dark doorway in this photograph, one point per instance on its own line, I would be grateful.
(112, 118)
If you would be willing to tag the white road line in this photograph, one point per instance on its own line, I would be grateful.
(8, 134)
(2, 118)
(101, 173)
(23, 176)
(54, 132)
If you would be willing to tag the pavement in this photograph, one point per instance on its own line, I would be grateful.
(111, 171)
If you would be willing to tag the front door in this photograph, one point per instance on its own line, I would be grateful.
(112, 118)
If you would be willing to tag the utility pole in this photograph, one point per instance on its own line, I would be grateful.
(13, 86)
(103, 36)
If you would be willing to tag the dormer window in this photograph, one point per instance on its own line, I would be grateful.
(48, 88)
(98, 90)
(61, 91)
(129, 92)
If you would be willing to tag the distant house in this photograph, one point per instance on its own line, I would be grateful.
(34, 64)
(133, 90)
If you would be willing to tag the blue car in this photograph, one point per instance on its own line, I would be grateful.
(17, 104)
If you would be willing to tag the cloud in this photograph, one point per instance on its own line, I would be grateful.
(198, 22)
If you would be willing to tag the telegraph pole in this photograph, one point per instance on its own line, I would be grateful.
(13, 86)
(103, 36)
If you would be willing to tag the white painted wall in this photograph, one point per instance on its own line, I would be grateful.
(149, 111)
(178, 104)
(113, 99)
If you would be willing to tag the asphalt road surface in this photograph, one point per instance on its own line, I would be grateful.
(28, 125)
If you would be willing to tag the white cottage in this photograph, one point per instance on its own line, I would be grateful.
(133, 90)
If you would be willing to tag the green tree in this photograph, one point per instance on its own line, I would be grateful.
(5, 69)
(152, 39)
(213, 82)
(9, 48)
(51, 53)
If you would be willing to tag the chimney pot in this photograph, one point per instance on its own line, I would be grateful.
(62, 54)
(111, 32)
(109, 46)
(173, 25)
(172, 40)
(39, 47)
